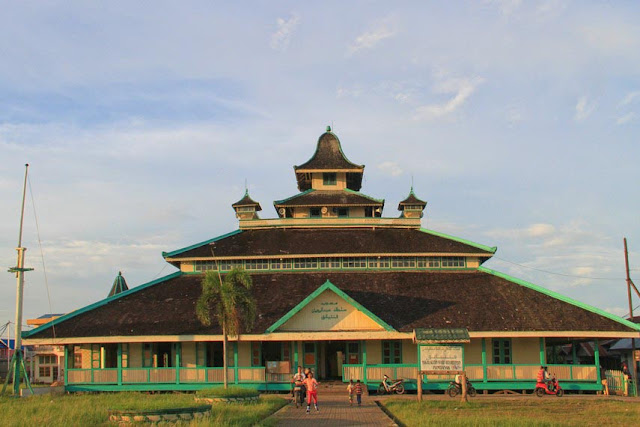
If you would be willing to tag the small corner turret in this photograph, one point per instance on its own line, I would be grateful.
(119, 285)
(412, 207)
(246, 208)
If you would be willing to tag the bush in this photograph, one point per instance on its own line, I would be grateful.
(229, 392)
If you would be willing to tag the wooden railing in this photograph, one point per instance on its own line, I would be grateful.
(166, 375)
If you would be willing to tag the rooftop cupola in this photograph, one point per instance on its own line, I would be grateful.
(246, 208)
(411, 207)
(119, 285)
(329, 168)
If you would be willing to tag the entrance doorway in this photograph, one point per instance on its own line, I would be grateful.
(334, 357)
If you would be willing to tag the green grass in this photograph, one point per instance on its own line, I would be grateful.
(92, 409)
(232, 391)
(527, 411)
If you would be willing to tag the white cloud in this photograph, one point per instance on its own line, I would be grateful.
(281, 38)
(584, 108)
(507, 7)
(370, 39)
(462, 88)
(626, 118)
(391, 168)
(629, 98)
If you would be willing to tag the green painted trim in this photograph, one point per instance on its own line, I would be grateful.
(328, 286)
(391, 344)
(66, 364)
(560, 297)
(364, 361)
(100, 303)
(197, 245)
(596, 358)
(460, 240)
(235, 362)
(279, 202)
(119, 364)
(543, 351)
(501, 347)
(295, 356)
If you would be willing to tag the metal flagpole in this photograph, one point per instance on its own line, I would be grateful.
(17, 362)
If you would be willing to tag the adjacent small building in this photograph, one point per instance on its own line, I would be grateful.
(341, 290)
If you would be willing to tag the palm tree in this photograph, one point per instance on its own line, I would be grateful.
(232, 304)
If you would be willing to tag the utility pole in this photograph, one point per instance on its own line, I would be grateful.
(633, 340)
(17, 361)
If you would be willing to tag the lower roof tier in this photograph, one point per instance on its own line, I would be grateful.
(482, 300)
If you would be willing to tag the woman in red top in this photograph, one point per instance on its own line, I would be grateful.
(312, 391)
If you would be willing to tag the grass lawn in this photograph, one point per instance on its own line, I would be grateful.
(532, 411)
(91, 409)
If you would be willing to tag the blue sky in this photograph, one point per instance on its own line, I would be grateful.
(517, 121)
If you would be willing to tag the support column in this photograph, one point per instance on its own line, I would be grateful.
(596, 358)
(542, 351)
(66, 365)
(235, 362)
(484, 360)
(178, 347)
(119, 363)
(574, 356)
(364, 362)
(295, 356)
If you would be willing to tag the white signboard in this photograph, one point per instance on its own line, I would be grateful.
(440, 358)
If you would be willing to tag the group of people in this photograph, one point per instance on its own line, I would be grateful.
(304, 382)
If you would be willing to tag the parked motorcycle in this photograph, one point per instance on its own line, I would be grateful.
(455, 388)
(553, 388)
(390, 387)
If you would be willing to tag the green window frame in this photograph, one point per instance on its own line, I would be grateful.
(501, 351)
(391, 352)
(329, 178)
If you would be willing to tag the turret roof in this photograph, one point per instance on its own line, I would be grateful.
(247, 201)
(411, 200)
(119, 285)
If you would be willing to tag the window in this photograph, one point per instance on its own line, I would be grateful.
(256, 264)
(281, 264)
(205, 265)
(75, 357)
(246, 209)
(47, 359)
(315, 212)
(501, 351)
(329, 178)
(44, 371)
(354, 262)
(228, 265)
(353, 353)
(434, 262)
(330, 263)
(391, 352)
(342, 212)
(403, 262)
(303, 263)
(452, 261)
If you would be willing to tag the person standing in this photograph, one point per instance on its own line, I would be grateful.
(359, 392)
(351, 389)
(298, 387)
(312, 391)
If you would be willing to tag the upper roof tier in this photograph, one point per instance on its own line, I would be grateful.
(344, 197)
(329, 158)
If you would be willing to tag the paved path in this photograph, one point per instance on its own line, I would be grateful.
(334, 411)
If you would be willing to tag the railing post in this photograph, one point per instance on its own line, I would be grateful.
(119, 364)
(484, 360)
(364, 362)
(235, 361)
(596, 359)
(178, 347)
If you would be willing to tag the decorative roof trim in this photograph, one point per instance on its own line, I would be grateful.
(561, 297)
(99, 304)
(279, 202)
(328, 286)
(343, 254)
(197, 245)
(460, 240)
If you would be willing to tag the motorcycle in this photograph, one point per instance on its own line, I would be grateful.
(389, 387)
(455, 388)
(553, 388)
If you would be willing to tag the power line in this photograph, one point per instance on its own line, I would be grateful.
(559, 274)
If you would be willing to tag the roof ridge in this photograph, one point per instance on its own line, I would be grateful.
(560, 297)
(100, 303)
(363, 195)
(277, 202)
(460, 240)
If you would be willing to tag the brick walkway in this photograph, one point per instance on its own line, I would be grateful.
(334, 411)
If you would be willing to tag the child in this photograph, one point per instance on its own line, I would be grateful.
(359, 392)
(351, 388)
(312, 391)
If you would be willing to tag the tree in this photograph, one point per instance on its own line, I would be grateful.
(230, 303)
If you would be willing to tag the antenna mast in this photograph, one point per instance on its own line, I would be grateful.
(17, 361)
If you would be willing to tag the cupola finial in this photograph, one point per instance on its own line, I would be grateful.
(328, 128)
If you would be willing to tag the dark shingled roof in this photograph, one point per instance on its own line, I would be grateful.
(329, 198)
(247, 201)
(309, 241)
(328, 155)
(411, 200)
(477, 301)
